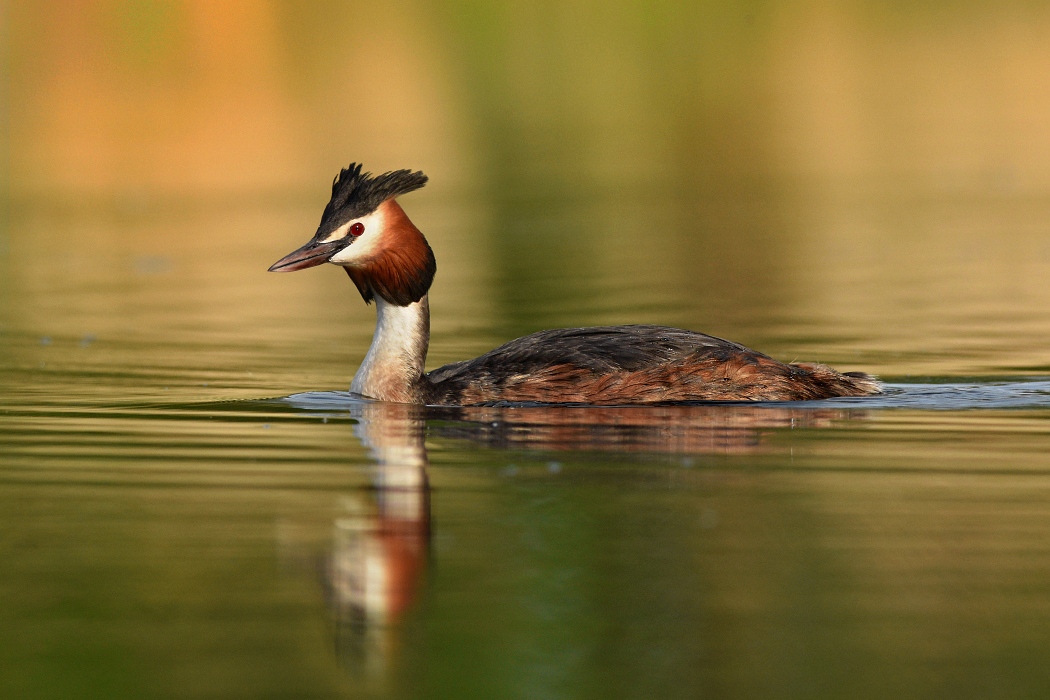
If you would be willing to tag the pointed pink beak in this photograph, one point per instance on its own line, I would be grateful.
(312, 254)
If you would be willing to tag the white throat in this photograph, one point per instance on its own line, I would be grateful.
(393, 368)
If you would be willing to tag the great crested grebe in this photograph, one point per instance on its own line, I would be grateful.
(366, 232)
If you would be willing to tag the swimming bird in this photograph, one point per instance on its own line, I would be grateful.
(365, 231)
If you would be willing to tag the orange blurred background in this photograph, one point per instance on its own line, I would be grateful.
(866, 183)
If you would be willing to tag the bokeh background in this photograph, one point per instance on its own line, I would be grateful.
(865, 183)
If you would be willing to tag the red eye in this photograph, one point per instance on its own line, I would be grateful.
(357, 229)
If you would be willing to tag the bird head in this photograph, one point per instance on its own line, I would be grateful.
(365, 231)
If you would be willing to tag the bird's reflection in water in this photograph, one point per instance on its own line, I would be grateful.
(684, 429)
(380, 550)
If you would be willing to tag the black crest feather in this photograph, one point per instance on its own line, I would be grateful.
(356, 194)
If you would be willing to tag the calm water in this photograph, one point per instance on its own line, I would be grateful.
(192, 506)
(179, 520)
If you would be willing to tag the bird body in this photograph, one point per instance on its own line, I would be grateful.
(364, 230)
(611, 365)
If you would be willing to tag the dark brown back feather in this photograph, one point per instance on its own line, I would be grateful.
(633, 365)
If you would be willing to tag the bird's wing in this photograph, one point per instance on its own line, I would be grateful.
(600, 349)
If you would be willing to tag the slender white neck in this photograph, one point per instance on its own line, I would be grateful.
(393, 368)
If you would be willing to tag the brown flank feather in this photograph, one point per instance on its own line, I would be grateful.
(403, 269)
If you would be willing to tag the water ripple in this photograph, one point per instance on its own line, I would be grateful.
(955, 396)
